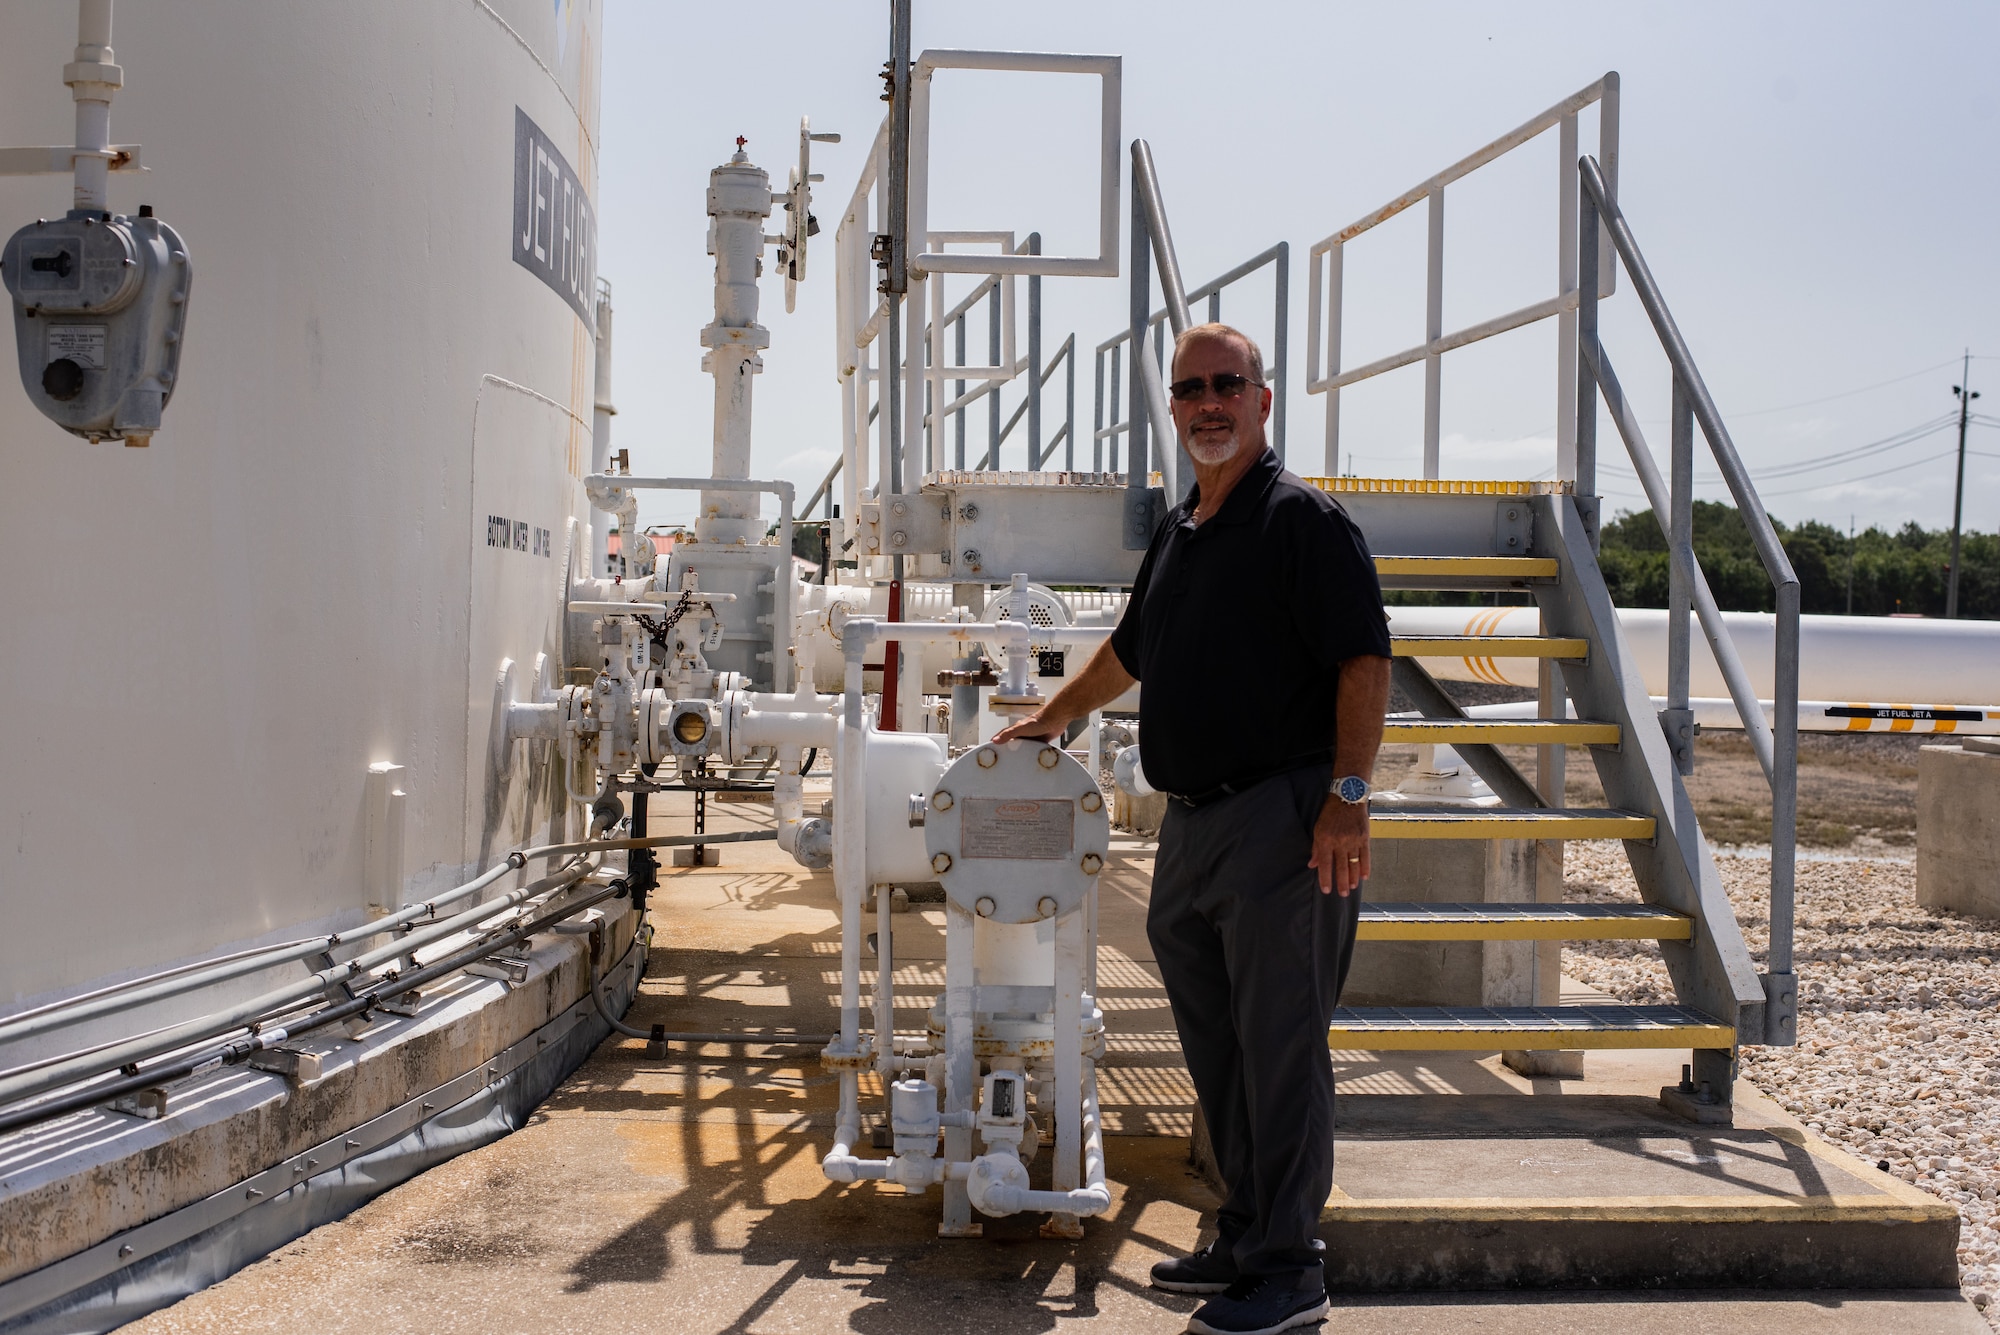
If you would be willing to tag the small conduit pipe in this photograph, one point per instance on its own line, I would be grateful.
(240, 1016)
(241, 1049)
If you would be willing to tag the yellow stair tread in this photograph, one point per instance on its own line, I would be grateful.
(1481, 567)
(1486, 1028)
(1425, 820)
(1514, 731)
(1521, 922)
(1487, 646)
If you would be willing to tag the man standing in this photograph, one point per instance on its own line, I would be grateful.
(1256, 624)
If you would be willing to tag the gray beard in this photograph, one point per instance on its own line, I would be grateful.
(1214, 452)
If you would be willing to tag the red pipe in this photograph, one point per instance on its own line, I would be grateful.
(891, 660)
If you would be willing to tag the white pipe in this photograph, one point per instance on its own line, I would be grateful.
(885, 982)
(1719, 715)
(1840, 658)
(92, 78)
(739, 201)
(600, 435)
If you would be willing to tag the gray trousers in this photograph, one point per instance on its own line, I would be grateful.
(1253, 956)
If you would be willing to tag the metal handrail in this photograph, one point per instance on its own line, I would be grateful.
(1111, 349)
(1693, 404)
(1325, 259)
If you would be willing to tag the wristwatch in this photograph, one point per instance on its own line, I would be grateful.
(1352, 790)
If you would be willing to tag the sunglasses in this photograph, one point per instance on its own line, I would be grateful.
(1228, 385)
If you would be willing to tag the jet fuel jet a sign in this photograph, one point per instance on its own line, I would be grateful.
(555, 232)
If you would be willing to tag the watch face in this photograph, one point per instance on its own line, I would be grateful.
(1353, 789)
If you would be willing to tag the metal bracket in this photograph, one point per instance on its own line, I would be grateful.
(1588, 508)
(1144, 509)
(1781, 1009)
(1513, 528)
(909, 525)
(60, 160)
(1678, 725)
(508, 968)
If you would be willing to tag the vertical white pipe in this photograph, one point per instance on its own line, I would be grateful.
(961, 1073)
(1068, 1058)
(739, 201)
(92, 78)
(600, 436)
(885, 982)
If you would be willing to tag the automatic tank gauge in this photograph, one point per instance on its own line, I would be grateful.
(100, 305)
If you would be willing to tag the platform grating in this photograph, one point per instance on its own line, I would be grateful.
(1468, 567)
(1484, 1028)
(1521, 922)
(1487, 646)
(1424, 820)
(1491, 732)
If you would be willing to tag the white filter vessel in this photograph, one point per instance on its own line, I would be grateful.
(363, 498)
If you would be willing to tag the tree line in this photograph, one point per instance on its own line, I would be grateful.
(1900, 571)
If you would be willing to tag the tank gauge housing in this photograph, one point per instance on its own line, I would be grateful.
(100, 307)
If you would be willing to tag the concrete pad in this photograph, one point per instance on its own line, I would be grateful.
(684, 1193)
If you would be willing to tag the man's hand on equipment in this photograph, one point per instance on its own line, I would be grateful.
(1340, 845)
(1040, 726)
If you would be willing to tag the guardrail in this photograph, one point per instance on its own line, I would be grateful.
(1672, 500)
(1324, 270)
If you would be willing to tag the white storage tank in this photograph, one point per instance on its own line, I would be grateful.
(362, 499)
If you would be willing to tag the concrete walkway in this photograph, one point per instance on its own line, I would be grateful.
(685, 1194)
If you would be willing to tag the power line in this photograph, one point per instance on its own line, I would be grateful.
(1841, 482)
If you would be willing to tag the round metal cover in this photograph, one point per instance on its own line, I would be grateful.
(1012, 822)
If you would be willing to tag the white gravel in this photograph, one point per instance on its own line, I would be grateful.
(1897, 1061)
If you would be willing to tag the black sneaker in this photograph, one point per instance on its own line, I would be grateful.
(1263, 1305)
(1210, 1270)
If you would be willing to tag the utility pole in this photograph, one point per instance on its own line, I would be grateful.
(1850, 565)
(1965, 397)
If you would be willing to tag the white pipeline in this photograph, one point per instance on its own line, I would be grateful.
(1889, 659)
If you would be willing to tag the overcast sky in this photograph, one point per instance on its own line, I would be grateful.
(1813, 185)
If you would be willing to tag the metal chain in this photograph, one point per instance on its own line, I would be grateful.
(660, 629)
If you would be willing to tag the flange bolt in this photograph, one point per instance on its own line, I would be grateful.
(1047, 757)
(984, 908)
(941, 800)
(1092, 800)
(941, 863)
(988, 757)
(1046, 906)
(1092, 864)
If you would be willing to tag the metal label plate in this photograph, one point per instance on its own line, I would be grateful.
(1037, 828)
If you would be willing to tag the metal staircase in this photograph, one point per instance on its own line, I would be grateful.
(1437, 530)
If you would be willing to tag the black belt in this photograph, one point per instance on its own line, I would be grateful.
(1248, 781)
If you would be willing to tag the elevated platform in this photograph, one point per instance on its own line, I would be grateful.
(689, 1185)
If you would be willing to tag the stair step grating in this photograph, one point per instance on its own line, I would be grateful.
(1487, 646)
(1489, 1028)
(1425, 820)
(1521, 922)
(1499, 732)
(1469, 567)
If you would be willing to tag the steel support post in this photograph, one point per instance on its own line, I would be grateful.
(1138, 510)
(1034, 360)
(1281, 344)
(1677, 718)
(1433, 331)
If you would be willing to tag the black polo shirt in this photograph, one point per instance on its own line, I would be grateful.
(1238, 629)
